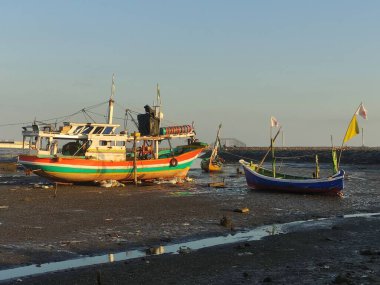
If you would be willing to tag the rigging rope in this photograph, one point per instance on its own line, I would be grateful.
(239, 156)
(56, 118)
(87, 115)
(86, 111)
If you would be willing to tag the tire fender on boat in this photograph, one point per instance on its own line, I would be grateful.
(173, 162)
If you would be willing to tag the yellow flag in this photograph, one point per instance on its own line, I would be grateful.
(353, 130)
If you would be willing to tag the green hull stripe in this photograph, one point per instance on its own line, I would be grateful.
(57, 169)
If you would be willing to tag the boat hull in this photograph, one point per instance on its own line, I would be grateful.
(210, 167)
(80, 169)
(330, 185)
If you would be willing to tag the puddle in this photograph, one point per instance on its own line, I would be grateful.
(362, 215)
(252, 235)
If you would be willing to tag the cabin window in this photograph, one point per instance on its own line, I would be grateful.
(107, 130)
(77, 130)
(75, 148)
(98, 130)
(117, 143)
(46, 129)
(44, 144)
(120, 143)
(105, 143)
(87, 129)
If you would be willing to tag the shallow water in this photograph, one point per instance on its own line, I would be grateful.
(7, 154)
(362, 183)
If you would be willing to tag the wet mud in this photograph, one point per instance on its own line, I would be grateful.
(39, 225)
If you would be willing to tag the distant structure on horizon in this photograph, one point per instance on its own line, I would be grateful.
(231, 142)
(12, 144)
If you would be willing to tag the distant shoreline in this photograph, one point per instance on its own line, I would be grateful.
(9, 144)
(350, 155)
(304, 148)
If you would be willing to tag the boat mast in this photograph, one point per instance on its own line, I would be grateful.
(216, 145)
(111, 101)
(157, 113)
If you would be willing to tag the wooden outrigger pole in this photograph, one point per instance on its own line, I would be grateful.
(270, 148)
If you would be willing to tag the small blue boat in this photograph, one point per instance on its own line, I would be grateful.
(263, 179)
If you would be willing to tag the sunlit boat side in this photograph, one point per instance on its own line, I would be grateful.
(260, 178)
(86, 152)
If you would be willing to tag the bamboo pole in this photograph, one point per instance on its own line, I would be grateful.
(270, 148)
(316, 166)
(362, 137)
(341, 148)
(282, 138)
(273, 159)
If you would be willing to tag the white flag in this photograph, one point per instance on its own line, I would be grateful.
(274, 122)
(362, 112)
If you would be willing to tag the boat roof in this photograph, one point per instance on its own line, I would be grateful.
(83, 131)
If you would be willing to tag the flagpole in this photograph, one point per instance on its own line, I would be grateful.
(341, 148)
(282, 138)
(362, 137)
(353, 128)
(270, 128)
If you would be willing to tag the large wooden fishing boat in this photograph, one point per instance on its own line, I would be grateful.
(87, 152)
(214, 163)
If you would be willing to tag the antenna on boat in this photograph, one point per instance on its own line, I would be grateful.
(158, 95)
(158, 116)
(157, 106)
(111, 101)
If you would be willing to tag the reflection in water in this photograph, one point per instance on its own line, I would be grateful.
(252, 235)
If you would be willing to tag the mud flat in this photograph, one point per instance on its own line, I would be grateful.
(346, 253)
(40, 225)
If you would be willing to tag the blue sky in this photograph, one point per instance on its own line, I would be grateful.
(308, 63)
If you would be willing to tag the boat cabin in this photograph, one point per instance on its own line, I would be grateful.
(95, 141)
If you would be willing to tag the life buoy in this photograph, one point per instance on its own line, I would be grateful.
(173, 162)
